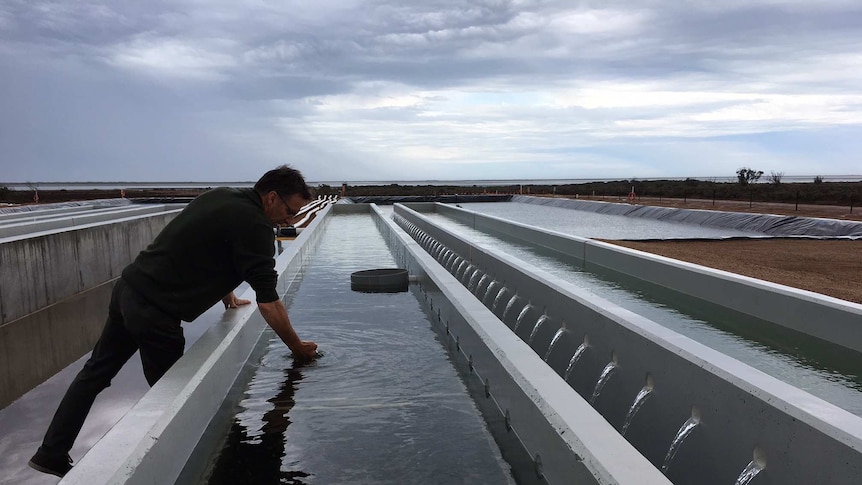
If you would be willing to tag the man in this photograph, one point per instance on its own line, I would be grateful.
(223, 237)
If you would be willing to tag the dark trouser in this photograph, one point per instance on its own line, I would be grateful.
(133, 323)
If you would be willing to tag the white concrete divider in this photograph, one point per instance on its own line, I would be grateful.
(59, 207)
(566, 439)
(830, 319)
(32, 216)
(152, 442)
(827, 318)
(76, 220)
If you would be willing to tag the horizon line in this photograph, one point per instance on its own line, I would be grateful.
(391, 181)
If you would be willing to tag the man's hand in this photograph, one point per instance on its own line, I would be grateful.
(276, 317)
(306, 351)
(231, 301)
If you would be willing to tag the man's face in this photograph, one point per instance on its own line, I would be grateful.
(282, 209)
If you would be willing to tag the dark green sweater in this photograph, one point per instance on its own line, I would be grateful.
(219, 240)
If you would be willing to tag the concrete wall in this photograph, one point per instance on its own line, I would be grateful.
(836, 321)
(805, 439)
(152, 443)
(54, 293)
(36, 347)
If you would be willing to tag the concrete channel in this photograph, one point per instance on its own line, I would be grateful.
(558, 374)
(732, 411)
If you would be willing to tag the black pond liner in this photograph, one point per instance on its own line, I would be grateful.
(386, 280)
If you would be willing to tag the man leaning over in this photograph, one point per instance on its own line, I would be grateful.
(223, 237)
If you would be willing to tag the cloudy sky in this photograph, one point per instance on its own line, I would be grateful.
(351, 90)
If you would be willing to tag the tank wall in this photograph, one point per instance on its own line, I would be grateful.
(54, 294)
(807, 439)
(43, 270)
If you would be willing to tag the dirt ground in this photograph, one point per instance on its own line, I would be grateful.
(829, 267)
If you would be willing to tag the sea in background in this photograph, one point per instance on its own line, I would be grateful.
(458, 183)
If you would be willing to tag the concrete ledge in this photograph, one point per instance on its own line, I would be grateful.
(152, 443)
(569, 440)
(806, 439)
(32, 216)
(830, 319)
(59, 207)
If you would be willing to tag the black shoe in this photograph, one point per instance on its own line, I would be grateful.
(53, 464)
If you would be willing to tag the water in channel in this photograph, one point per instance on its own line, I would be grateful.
(827, 371)
(383, 405)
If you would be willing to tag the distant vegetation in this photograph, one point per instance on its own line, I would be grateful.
(832, 193)
(819, 192)
(747, 176)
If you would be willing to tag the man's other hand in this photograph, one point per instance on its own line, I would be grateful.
(231, 301)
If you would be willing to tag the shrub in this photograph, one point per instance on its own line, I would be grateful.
(746, 175)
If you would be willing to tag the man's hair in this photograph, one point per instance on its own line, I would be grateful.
(283, 180)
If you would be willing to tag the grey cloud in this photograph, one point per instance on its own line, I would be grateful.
(84, 82)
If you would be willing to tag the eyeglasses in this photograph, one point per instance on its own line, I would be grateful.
(290, 212)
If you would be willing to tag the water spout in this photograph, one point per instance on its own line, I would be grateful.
(498, 299)
(474, 279)
(468, 275)
(681, 435)
(488, 292)
(459, 270)
(521, 316)
(554, 341)
(642, 396)
(509, 306)
(608, 371)
(476, 291)
(541, 321)
(576, 357)
(755, 466)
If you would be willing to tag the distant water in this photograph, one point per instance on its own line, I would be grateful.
(337, 183)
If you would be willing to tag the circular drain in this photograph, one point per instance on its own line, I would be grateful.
(387, 280)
